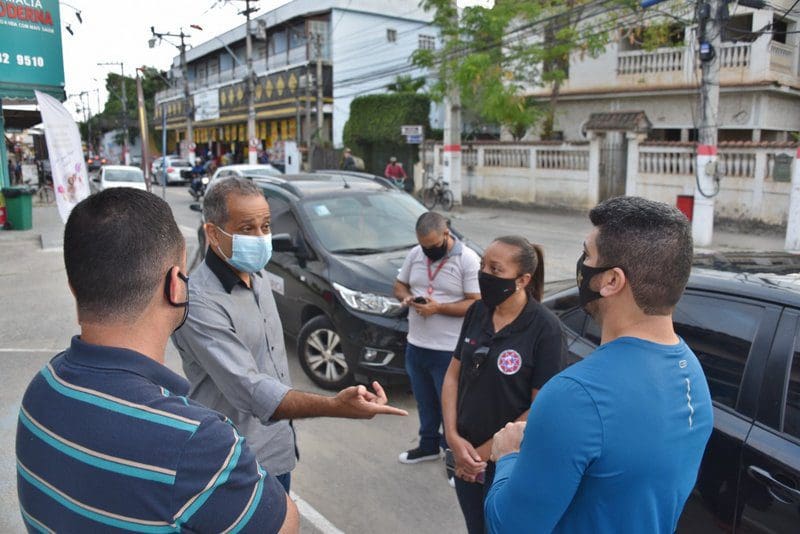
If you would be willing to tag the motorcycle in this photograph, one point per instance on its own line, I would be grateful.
(198, 186)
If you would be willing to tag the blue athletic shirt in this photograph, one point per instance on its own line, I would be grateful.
(613, 444)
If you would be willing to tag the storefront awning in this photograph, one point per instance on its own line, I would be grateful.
(21, 119)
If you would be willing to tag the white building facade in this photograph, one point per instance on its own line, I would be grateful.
(759, 81)
(362, 46)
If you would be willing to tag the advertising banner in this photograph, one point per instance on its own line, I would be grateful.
(70, 178)
(206, 106)
(30, 48)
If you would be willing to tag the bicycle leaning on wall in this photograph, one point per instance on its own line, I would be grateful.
(437, 191)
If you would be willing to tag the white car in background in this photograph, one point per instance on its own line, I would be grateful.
(175, 164)
(117, 176)
(242, 170)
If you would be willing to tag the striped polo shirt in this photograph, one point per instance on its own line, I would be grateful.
(107, 441)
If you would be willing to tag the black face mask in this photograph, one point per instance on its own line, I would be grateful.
(436, 253)
(583, 276)
(185, 304)
(495, 290)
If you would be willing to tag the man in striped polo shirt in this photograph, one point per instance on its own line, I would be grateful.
(107, 440)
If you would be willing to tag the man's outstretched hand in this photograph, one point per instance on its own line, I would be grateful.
(357, 402)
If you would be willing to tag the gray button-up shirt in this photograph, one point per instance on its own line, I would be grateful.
(234, 357)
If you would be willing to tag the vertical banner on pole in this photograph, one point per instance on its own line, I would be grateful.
(70, 178)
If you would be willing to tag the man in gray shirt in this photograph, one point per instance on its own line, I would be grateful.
(232, 341)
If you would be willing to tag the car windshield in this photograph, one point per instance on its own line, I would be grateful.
(124, 175)
(180, 163)
(365, 223)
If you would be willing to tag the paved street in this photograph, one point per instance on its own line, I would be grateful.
(348, 473)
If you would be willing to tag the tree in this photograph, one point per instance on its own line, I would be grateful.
(111, 118)
(495, 56)
(406, 84)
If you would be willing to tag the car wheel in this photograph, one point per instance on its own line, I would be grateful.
(319, 348)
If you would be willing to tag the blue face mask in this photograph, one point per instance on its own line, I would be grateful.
(251, 253)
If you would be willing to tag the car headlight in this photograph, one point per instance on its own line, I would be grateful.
(204, 180)
(369, 302)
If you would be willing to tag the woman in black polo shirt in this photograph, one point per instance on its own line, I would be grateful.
(509, 346)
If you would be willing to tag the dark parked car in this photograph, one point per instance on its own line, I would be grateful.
(741, 316)
(339, 242)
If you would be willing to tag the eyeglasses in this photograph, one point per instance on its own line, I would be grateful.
(479, 358)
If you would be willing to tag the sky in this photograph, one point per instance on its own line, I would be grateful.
(118, 31)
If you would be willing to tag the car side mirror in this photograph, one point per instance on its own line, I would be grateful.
(196, 207)
(283, 243)
(96, 179)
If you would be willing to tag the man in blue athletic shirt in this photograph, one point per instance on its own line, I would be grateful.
(614, 443)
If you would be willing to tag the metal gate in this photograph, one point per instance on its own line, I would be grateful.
(613, 165)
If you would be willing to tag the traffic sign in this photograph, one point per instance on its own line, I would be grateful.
(414, 139)
(415, 129)
(254, 141)
(192, 146)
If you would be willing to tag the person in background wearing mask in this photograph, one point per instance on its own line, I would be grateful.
(106, 438)
(614, 443)
(509, 347)
(438, 282)
(232, 342)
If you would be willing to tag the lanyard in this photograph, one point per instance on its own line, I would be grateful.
(432, 276)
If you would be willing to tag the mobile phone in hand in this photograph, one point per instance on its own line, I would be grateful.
(420, 300)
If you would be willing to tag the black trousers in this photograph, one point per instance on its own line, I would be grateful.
(470, 497)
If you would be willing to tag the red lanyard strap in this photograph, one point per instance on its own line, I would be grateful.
(432, 276)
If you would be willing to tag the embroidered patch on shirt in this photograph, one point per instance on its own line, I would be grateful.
(509, 362)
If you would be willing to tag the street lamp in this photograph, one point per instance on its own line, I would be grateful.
(77, 16)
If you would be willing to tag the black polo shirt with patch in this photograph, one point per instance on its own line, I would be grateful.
(499, 370)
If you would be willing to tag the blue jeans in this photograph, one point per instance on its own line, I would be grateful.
(426, 369)
(285, 480)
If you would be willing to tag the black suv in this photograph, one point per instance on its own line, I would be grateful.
(741, 316)
(339, 241)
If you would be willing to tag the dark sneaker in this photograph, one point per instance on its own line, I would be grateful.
(414, 456)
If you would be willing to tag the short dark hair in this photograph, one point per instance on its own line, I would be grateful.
(215, 204)
(118, 246)
(430, 221)
(650, 241)
(530, 259)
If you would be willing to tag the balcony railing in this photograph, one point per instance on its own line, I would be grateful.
(781, 57)
(641, 62)
(735, 55)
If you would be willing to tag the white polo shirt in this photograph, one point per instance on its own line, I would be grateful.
(451, 281)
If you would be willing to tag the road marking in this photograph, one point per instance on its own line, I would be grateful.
(314, 517)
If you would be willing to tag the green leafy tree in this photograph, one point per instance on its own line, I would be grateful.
(406, 84)
(496, 56)
(373, 129)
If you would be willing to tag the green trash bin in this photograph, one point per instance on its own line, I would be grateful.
(19, 207)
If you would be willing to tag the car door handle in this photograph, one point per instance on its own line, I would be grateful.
(777, 489)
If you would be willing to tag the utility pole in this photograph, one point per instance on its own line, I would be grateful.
(124, 101)
(187, 94)
(144, 135)
(252, 152)
(320, 89)
(452, 136)
(307, 124)
(710, 14)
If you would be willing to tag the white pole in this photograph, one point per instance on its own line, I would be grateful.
(793, 221)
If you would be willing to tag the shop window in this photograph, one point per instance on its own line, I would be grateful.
(391, 35)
